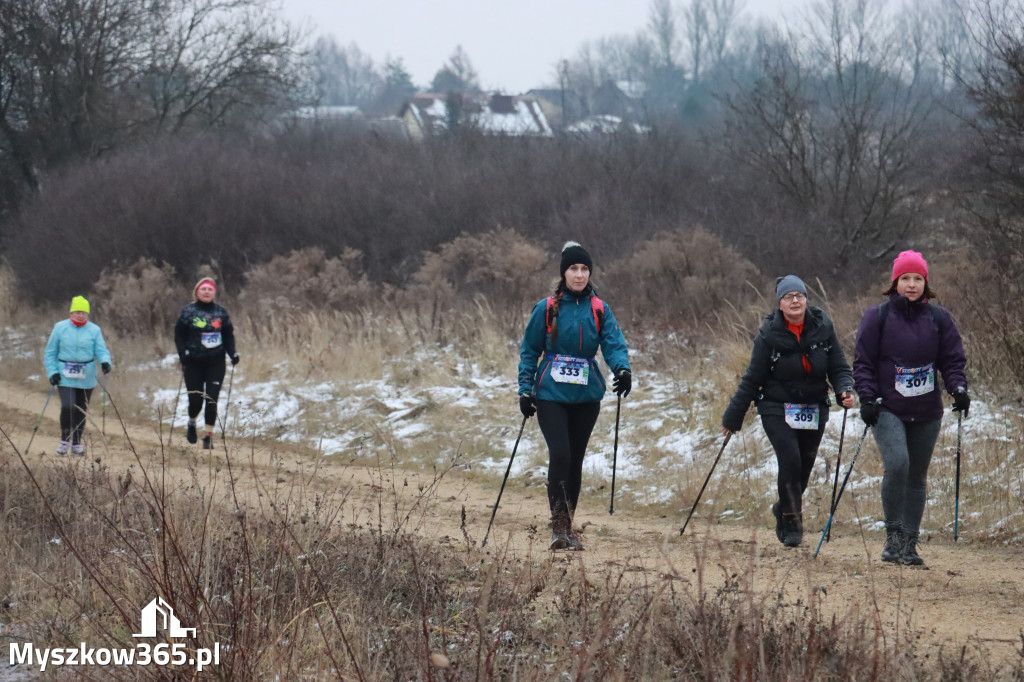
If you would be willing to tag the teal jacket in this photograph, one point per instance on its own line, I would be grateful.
(578, 337)
(71, 344)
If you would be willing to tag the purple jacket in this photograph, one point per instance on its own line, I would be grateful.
(909, 338)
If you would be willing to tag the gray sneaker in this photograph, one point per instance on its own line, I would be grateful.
(78, 450)
(63, 447)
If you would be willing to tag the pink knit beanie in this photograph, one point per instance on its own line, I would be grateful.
(909, 261)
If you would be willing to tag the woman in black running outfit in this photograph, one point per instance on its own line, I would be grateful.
(204, 336)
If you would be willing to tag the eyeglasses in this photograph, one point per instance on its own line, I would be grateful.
(795, 296)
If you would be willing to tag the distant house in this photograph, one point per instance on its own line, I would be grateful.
(622, 99)
(429, 114)
(561, 107)
(605, 124)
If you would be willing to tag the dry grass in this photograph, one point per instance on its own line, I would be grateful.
(301, 580)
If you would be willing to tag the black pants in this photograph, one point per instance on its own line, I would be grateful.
(203, 380)
(795, 450)
(74, 402)
(566, 429)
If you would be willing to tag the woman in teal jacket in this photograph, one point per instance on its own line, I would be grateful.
(75, 345)
(560, 381)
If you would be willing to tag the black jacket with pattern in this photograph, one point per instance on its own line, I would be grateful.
(195, 333)
(776, 374)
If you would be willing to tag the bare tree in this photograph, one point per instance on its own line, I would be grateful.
(79, 77)
(662, 27)
(834, 123)
(342, 75)
(457, 74)
(697, 34)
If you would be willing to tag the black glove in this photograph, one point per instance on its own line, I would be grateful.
(623, 383)
(527, 406)
(54, 379)
(961, 401)
(869, 412)
(105, 366)
(235, 358)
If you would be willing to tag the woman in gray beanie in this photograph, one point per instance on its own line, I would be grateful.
(796, 357)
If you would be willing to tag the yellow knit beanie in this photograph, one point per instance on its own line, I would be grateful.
(79, 305)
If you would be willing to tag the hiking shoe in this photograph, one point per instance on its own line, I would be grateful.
(560, 541)
(207, 442)
(575, 544)
(909, 555)
(190, 433)
(778, 520)
(63, 447)
(792, 530)
(78, 450)
(893, 544)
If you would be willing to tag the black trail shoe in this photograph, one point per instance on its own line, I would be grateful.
(893, 544)
(792, 530)
(190, 433)
(778, 520)
(207, 442)
(909, 555)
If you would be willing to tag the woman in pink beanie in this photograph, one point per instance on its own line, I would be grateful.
(901, 344)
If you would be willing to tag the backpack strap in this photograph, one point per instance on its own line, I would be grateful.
(596, 307)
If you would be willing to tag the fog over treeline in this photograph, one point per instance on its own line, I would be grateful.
(822, 145)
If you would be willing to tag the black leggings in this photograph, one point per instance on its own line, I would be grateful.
(74, 402)
(566, 428)
(203, 381)
(795, 450)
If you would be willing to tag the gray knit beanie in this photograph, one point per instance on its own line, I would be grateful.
(784, 285)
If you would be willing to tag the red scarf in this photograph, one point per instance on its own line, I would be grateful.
(78, 324)
(797, 329)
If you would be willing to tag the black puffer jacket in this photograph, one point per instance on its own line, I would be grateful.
(204, 333)
(776, 373)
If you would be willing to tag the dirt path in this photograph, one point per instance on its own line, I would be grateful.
(966, 591)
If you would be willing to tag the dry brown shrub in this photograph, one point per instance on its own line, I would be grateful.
(307, 280)
(139, 300)
(682, 276)
(501, 266)
(988, 305)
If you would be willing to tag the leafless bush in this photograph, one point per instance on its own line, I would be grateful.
(138, 300)
(307, 280)
(684, 277)
(501, 266)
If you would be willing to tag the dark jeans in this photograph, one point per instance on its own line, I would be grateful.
(795, 450)
(566, 428)
(203, 380)
(74, 402)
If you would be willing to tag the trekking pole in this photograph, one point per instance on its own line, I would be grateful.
(227, 405)
(103, 408)
(615, 453)
(956, 509)
(177, 397)
(40, 419)
(694, 507)
(835, 483)
(507, 470)
(846, 478)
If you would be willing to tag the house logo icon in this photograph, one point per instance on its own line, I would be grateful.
(159, 611)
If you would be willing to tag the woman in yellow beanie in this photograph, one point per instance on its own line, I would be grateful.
(70, 357)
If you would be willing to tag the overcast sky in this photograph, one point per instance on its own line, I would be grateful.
(513, 44)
